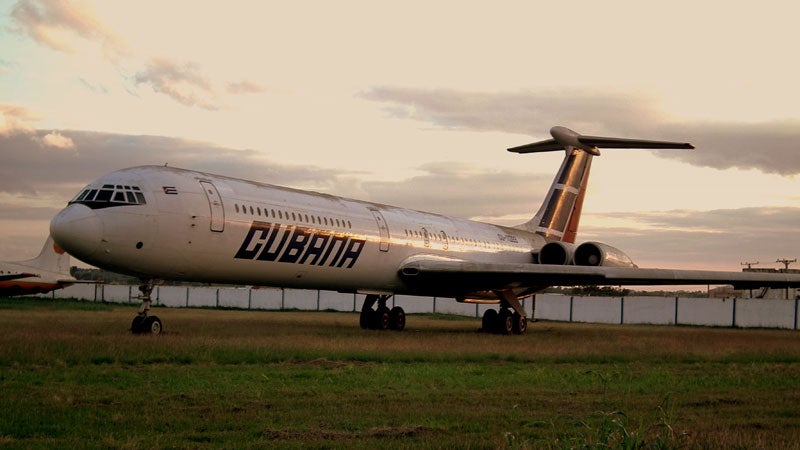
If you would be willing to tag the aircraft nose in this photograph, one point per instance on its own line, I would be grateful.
(78, 230)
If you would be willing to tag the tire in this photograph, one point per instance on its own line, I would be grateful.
(381, 319)
(489, 321)
(520, 323)
(137, 325)
(153, 326)
(397, 319)
(505, 322)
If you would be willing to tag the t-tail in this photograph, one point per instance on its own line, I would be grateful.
(559, 215)
(52, 258)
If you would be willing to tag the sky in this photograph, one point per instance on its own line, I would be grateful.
(414, 104)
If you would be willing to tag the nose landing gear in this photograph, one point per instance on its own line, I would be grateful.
(144, 323)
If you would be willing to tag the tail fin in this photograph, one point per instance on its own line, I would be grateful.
(52, 258)
(559, 215)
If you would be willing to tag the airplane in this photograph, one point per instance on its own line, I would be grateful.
(47, 272)
(166, 223)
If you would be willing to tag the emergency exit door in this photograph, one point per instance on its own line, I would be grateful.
(383, 229)
(215, 204)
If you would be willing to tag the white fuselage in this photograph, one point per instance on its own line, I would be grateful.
(170, 223)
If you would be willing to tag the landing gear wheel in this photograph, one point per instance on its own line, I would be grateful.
(489, 321)
(397, 319)
(137, 325)
(381, 319)
(152, 325)
(505, 322)
(520, 323)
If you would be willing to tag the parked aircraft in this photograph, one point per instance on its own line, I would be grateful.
(47, 272)
(160, 223)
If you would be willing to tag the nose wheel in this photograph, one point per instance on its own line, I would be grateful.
(144, 323)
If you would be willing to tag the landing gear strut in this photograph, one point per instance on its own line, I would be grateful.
(143, 323)
(381, 318)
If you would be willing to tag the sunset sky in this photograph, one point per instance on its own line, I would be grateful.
(414, 104)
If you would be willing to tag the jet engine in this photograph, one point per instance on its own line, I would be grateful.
(598, 254)
(558, 253)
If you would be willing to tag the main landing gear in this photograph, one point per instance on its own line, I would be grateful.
(143, 323)
(504, 322)
(381, 318)
(511, 319)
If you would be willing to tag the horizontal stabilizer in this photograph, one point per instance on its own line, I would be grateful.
(564, 137)
(17, 276)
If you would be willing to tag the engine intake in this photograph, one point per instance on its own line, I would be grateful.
(598, 254)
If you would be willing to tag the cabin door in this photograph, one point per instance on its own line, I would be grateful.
(215, 203)
(383, 229)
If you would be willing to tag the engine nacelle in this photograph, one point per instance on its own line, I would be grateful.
(598, 254)
(558, 253)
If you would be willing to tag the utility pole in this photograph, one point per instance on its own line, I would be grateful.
(786, 262)
(749, 266)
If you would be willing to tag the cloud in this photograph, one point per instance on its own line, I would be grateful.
(56, 140)
(16, 119)
(718, 239)
(520, 112)
(57, 23)
(771, 147)
(244, 87)
(63, 26)
(461, 190)
(182, 82)
(28, 166)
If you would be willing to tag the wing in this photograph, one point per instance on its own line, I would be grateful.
(17, 276)
(476, 277)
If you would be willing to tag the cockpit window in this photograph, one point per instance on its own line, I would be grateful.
(110, 195)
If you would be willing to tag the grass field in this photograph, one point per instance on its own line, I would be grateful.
(72, 376)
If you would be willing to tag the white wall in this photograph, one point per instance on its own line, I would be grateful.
(766, 313)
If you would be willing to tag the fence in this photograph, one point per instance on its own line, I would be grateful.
(746, 313)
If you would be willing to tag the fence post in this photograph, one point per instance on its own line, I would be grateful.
(283, 297)
(317, 299)
(622, 310)
(434, 305)
(676, 310)
(250, 298)
(570, 308)
(733, 321)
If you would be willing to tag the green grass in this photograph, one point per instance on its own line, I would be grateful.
(71, 375)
